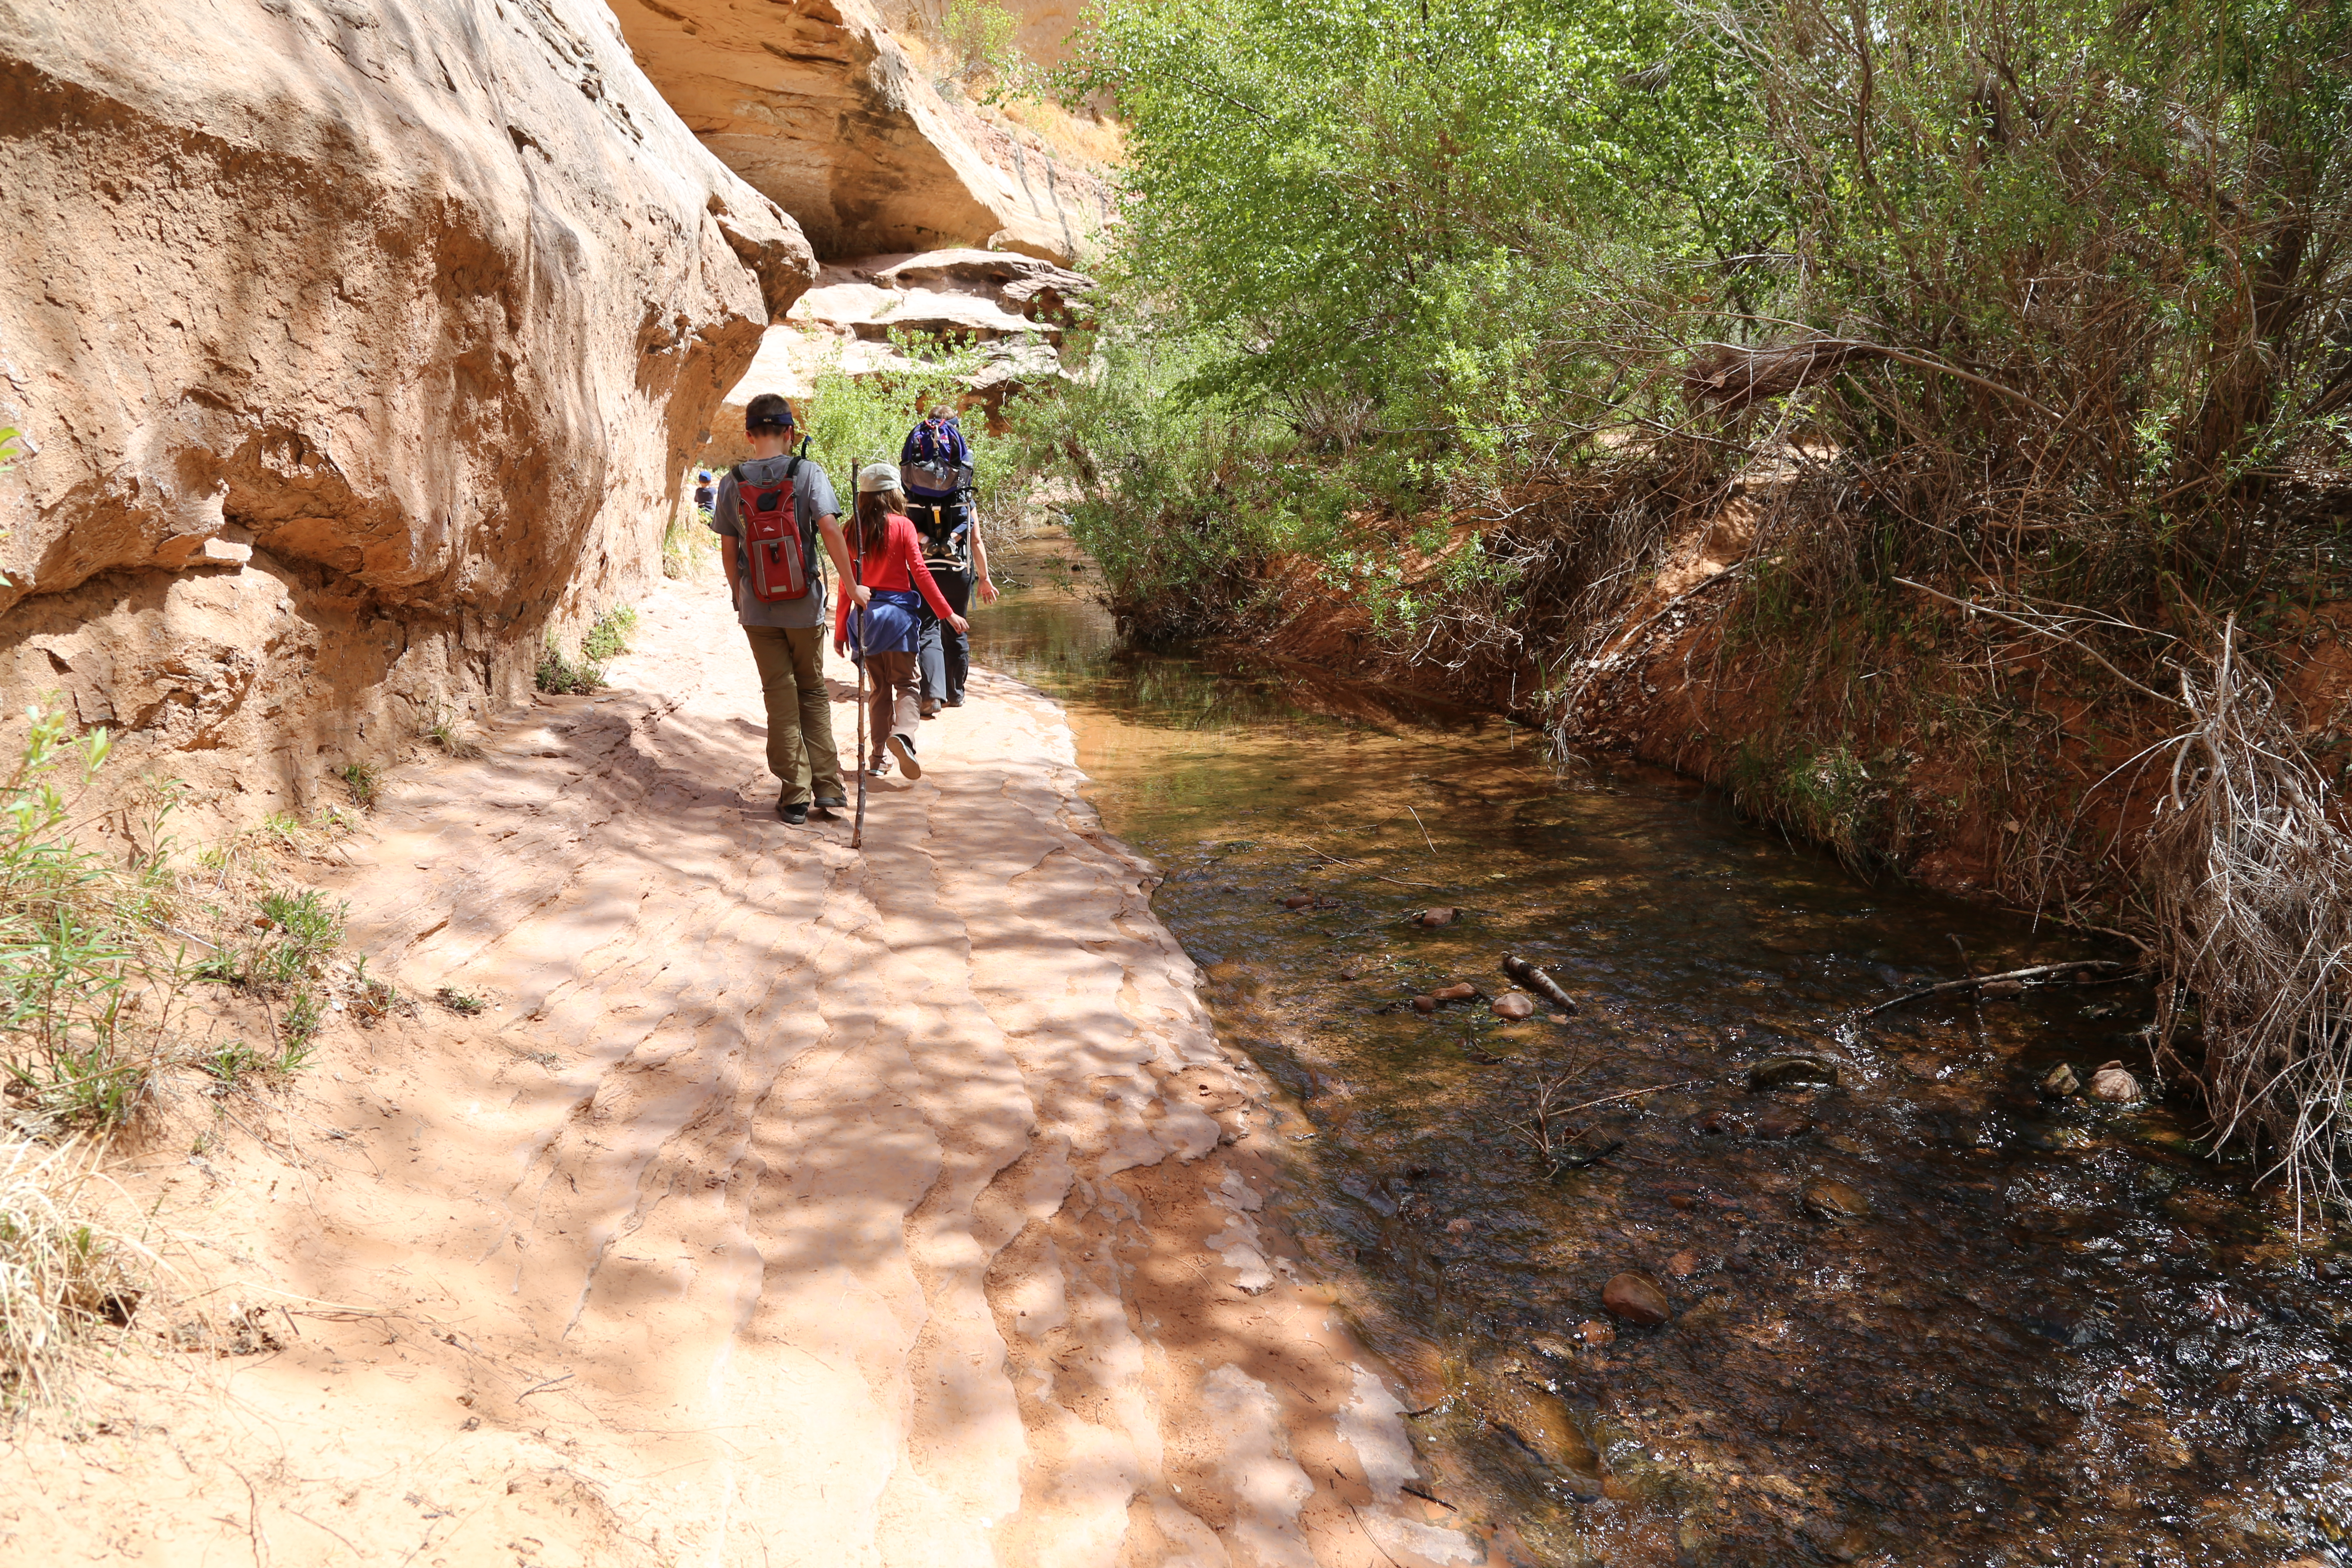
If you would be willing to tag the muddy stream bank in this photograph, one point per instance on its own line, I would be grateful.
(1927, 1314)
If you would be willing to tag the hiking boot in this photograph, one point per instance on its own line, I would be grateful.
(931, 710)
(831, 802)
(794, 813)
(955, 702)
(903, 748)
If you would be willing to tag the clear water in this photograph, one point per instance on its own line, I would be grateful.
(2058, 1334)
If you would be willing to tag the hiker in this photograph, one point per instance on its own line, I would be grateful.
(889, 567)
(774, 507)
(705, 498)
(937, 465)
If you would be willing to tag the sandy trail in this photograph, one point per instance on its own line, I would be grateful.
(788, 1205)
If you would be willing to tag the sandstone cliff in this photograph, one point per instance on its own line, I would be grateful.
(817, 105)
(355, 345)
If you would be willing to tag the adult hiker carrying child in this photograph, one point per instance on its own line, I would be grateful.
(936, 465)
(897, 584)
(774, 508)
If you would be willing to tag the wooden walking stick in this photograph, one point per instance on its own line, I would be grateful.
(858, 825)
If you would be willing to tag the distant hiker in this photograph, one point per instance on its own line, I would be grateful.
(775, 506)
(706, 496)
(936, 462)
(890, 562)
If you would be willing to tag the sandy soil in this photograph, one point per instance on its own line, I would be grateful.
(788, 1205)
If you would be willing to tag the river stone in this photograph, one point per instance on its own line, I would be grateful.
(2060, 1082)
(1783, 1121)
(1460, 992)
(1795, 1068)
(1439, 916)
(1425, 1004)
(1832, 1200)
(1998, 990)
(1515, 1005)
(2114, 1085)
(1297, 900)
(1540, 1421)
(1636, 1299)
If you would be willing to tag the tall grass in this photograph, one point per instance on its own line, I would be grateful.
(63, 1275)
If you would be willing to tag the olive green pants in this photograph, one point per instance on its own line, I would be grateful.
(800, 716)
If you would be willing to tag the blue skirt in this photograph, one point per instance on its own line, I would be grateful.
(890, 622)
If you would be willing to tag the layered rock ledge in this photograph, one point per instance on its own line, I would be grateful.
(355, 347)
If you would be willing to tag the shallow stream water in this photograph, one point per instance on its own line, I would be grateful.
(1924, 1315)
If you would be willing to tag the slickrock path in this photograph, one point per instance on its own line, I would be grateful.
(789, 1206)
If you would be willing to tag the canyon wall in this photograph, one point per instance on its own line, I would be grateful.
(818, 105)
(355, 348)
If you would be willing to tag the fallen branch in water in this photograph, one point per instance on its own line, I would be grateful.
(1358, 866)
(1635, 1094)
(1979, 982)
(1537, 981)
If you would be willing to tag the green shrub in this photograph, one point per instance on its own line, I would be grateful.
(560, 674)
(608, 635)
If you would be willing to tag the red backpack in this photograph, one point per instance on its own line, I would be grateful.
(774, 539)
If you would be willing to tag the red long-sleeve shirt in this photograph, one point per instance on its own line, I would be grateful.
(900, 565)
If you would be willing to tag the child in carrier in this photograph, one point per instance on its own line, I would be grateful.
(937, 471)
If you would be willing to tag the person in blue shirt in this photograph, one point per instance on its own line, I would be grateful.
(935, 465)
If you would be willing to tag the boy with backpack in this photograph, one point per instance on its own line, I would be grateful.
(773, 509)
(935, 468)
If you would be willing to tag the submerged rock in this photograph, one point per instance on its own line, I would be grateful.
(2060, 1082)
(1832, 1200)
(1515, 1005)
(1636, 1299)
(1438, 917)
(2113, 1084)
(1425, 1004)
(1794, 1067)
(1539, 1423)
(1783, 1121)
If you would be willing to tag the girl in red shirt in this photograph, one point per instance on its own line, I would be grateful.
(889, 560)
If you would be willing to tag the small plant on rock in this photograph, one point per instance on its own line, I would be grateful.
(450, 732)
(459, 1002)
(561, 674)
(366, 784)
(608, 635)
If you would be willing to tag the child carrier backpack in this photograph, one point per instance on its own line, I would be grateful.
(936, 467)
(774, 539)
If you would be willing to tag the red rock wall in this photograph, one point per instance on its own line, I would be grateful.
(355, 345)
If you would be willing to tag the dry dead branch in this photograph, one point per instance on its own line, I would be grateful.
(2250, 879)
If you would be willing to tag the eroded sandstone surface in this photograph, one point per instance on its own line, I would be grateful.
(786, 1203)
(355, 346)
(819, 106)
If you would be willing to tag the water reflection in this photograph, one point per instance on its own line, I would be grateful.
(1924, 1315)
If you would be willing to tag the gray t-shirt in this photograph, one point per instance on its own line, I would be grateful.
(812, 496)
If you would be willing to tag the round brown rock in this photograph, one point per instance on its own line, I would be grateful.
(1297, 900)
(1462, 991)
(1425, 1004)
(1636, 1299)
(1826, 1199)
(1438, 917)
(1783, 1121)
(2113, 1084)
(1515, 1005)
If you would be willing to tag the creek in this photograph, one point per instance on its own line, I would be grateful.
(1924, 1315)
